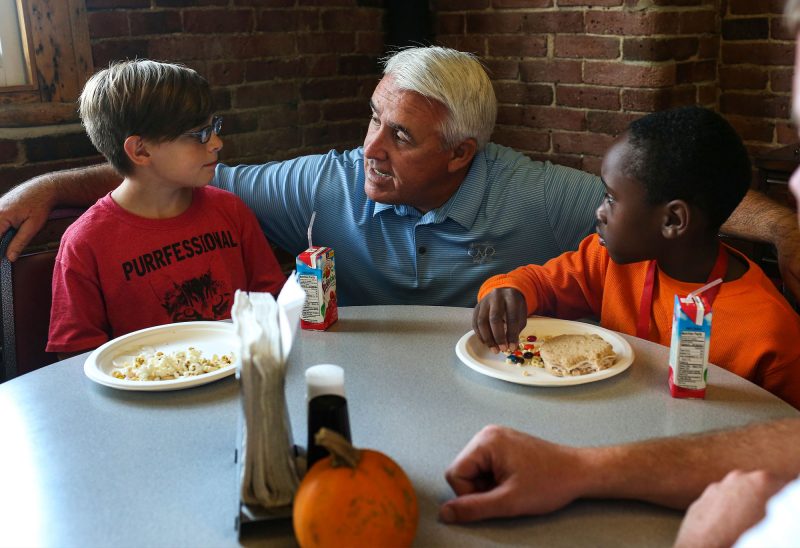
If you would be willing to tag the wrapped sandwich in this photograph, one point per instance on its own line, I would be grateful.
(572, 355)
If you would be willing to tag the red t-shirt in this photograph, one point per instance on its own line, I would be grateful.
(116, 272)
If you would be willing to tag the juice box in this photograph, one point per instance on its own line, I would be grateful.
(316, 274)
(688, 351)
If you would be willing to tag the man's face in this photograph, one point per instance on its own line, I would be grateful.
(628, 225)
(794, 182)
(404, 161)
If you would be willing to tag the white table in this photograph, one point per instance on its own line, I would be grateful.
(85, 465)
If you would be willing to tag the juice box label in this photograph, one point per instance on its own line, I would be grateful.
(688, 352)
(316, 274)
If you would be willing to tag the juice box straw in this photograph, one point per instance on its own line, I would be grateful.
(701, 309)
(708, 286)
(310, 226)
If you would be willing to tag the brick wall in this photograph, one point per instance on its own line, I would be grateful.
(290, 77)
(755, 72)
(570, 74)
(294, 76)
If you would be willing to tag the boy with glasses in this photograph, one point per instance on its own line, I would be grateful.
(162, 247)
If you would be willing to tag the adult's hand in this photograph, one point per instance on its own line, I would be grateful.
(499, 318)
(502, 473)
(25, 208)
(727, 509)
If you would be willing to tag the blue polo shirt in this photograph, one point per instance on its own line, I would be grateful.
(509, 211)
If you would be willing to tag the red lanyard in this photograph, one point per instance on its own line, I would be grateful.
(643, 325)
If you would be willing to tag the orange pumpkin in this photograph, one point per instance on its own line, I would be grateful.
(355, 497)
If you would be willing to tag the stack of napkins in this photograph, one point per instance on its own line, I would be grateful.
(266, 329)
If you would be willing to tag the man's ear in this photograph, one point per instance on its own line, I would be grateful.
(677, 216)
(462, 156)
(136, 149)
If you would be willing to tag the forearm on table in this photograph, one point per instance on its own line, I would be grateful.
(761, 219)
(673, 472)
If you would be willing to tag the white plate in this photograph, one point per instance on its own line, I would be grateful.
(209, 337)
(478, 357)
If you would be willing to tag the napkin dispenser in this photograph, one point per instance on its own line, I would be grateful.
(268, 463)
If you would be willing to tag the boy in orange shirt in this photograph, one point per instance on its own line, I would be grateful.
(671, 180)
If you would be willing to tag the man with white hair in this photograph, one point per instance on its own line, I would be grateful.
(421, 214)
(424, 212)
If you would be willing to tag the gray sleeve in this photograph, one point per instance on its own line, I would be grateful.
(571, 199)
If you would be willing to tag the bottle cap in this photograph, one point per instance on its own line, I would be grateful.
(324, 379)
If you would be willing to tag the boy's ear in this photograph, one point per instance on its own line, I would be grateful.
(462, 155)
(136, 149)
(677, 216)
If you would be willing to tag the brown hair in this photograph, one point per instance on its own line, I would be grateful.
(153, 100)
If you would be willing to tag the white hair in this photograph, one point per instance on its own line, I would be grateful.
(455, 79)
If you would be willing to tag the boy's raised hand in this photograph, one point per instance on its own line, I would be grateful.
(499, 318)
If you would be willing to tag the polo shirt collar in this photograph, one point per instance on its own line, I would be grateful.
(381, 207)
(463, 205)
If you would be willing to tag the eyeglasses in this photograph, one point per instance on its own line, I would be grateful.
(204, 134)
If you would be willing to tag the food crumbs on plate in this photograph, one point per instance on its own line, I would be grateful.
(158, 366)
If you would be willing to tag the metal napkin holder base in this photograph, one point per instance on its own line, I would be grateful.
(249, 516)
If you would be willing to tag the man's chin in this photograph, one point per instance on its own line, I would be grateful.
(378, 195)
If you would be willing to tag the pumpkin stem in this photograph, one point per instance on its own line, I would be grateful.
(342, 451)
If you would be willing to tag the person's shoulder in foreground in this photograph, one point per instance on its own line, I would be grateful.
(780, 526)
(161, 247)
(736, 503)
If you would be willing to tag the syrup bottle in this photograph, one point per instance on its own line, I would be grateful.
(327, 406)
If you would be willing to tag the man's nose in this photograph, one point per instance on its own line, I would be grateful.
(374, 144)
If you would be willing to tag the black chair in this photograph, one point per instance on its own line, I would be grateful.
(25, 297)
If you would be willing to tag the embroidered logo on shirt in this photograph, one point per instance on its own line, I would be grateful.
(481, 253)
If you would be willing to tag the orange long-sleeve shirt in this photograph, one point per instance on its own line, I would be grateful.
(754, 331)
